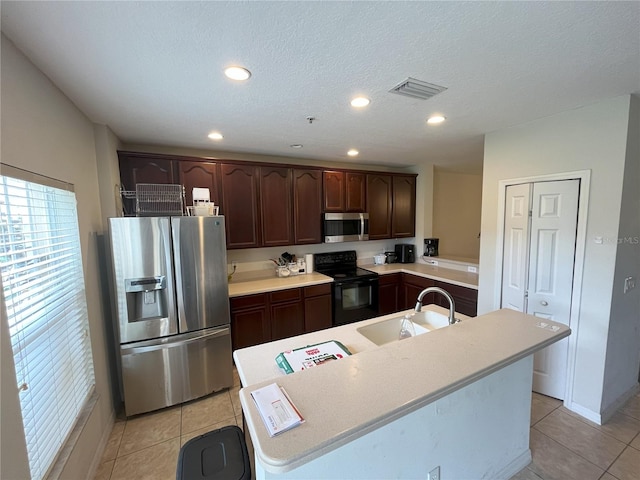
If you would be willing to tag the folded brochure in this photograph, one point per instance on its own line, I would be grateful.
(278, 412)
(310, 356)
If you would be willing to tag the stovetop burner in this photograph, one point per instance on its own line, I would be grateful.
(341, 265)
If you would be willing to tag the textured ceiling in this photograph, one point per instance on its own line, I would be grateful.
(152, 71)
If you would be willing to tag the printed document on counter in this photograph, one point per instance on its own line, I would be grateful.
(278, 413)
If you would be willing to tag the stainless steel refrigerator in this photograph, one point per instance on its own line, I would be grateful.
(172, 308)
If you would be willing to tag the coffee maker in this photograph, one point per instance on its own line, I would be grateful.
(431, 247)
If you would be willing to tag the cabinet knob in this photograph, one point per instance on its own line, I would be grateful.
(544, 303)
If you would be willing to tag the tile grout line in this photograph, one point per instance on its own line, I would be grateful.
(574, 452)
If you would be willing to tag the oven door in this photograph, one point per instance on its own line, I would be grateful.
(355, 300)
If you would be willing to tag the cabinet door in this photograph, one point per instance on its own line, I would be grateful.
(201, 175)
(412, 286)
(317, 307)
(379, 206)
(466, 299)
(334, 190)
(240, 205)
(307, 206)
(275, 206)
(250, 327)
(389, 293)
(356, 188)
(404, 206)
(287, 320)
(144, 168)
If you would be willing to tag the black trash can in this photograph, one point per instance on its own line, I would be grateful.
(217, 455)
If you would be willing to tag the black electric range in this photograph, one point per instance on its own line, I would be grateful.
(354, 289)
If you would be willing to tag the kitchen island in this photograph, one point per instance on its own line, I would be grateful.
(457, 398)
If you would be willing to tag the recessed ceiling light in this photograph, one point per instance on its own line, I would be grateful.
(360, 102)
(237, 73)
(353, 152)
(436, 119)
(296, 145)
(215, 136)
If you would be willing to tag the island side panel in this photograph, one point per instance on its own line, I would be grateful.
(478, 431)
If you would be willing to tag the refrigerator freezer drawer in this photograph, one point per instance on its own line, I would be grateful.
(186, 367)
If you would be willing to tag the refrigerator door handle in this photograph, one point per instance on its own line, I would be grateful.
(125, 350)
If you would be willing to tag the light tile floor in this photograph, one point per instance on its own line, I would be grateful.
(564, 445)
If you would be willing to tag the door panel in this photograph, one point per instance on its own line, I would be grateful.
(553, 238)
(516, 246)
(538, 262)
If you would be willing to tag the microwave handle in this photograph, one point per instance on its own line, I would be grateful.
(361, 235)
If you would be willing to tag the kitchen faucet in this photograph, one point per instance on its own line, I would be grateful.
(447, 295)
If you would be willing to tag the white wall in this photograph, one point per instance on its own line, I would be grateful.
(43, 131)
(457, 200)
(592, 137)
(623, 343)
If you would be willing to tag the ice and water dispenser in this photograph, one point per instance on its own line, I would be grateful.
(146, 298)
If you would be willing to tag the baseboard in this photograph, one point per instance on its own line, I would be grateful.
(515, 466)
(603, 417)
(95, 463)
(585, 412)
(610, 411)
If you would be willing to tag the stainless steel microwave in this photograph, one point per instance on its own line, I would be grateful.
(345, 227)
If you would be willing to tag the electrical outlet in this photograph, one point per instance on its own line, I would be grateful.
(629, 284)
(434, 474)
(471, 269)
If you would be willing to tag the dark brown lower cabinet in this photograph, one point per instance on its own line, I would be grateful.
(265, 317)
(466, 299)
(250, 323)
(287, 313)
(389, 293)
(317, 307)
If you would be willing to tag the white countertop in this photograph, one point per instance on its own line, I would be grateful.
(455, 277)
(346, 399)
(261, 281)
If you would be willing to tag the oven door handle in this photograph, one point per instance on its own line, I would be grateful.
(357, 282)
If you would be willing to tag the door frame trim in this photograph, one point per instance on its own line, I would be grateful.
(578, 267)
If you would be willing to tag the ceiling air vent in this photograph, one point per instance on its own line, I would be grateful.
(417, 89)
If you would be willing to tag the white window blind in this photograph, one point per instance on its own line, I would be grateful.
(43, 288)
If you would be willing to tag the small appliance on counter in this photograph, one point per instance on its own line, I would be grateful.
(405, 253)
(390, 257)
(431, 247)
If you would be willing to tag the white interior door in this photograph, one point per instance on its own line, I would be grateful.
(516, 246)
(549, 261)
(553, 243)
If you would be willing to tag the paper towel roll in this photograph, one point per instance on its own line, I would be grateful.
(308, 260)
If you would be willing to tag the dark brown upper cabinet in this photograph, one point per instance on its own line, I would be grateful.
(404, 206)
(356, 192)
(344, 191)
(145, 168)
(379, 206)
(307, 206)
(275, 206)
(202, 175)
(240, 185)
(333, 188)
